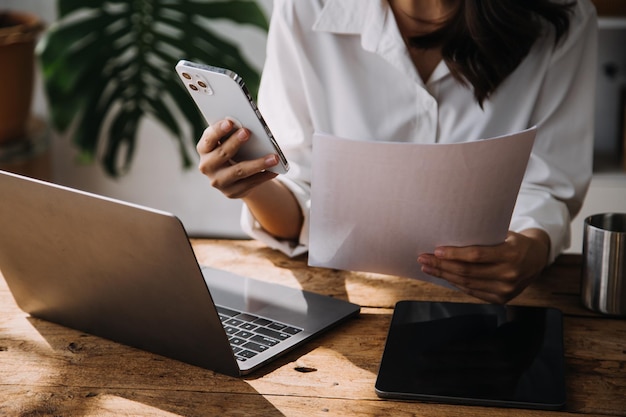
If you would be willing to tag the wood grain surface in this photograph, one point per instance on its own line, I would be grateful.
(50, 370)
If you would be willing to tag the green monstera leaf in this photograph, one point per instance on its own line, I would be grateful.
(108, 64)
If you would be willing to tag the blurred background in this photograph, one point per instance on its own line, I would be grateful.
(161, 171)
(156, 176)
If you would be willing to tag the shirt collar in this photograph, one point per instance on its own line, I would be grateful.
(373, 20)
(355, 17)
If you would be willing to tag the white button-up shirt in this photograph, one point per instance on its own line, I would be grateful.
(342, 67)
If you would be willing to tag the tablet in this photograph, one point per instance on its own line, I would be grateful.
(475, 354)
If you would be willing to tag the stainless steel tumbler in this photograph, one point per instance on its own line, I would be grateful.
(603, 286)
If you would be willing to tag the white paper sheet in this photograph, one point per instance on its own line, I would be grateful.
(375, 206)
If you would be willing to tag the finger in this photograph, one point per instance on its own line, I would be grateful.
(473, 254)
(476, 279)
(229, 146)
(242, 188)
(222, 155)
(438, 267)
(212, 135)
(225, 178)
(492, 291)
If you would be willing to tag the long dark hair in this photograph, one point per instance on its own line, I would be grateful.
(485, 40)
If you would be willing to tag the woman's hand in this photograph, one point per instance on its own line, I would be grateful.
(217, 146)
(270, 202)
(495, 274)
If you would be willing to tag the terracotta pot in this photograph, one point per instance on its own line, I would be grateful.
(18, 35)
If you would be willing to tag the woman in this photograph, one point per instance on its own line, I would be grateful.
(425, 71)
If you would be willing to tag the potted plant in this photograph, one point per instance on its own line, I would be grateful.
(18, 35)
(108, 64)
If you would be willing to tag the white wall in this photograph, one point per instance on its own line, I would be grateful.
(607, 194)
(156, 178)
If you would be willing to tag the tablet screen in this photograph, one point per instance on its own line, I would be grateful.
(481, 354)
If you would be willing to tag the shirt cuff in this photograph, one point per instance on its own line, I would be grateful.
(290, 248)
(545, 213)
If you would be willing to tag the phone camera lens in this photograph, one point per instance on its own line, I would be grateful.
(187, 76)
(193, 87)
(202, 84)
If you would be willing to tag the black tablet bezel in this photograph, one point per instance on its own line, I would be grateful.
(422, 328)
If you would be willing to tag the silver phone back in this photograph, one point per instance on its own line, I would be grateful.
(221, 94)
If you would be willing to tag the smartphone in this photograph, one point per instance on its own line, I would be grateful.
(221, 94)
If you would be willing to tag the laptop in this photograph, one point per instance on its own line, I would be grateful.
(128, 273)
(474, 354)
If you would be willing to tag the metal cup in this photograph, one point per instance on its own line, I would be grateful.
(603, 287)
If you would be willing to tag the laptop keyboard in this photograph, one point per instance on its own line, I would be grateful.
(250, 335)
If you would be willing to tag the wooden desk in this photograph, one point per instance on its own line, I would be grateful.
(49, 370)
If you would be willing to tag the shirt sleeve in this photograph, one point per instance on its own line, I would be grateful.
(290, 248)
(560, 166)
(559, 169)
(285, 107)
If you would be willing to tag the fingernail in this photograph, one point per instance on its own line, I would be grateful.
(242, 135)
(428, 270)
(271, 160)
(439, 252)
(226, 126)
(423, 260)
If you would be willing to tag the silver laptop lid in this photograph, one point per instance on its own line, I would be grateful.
(108, 268)
(128, 273)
